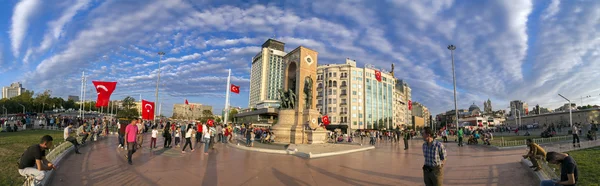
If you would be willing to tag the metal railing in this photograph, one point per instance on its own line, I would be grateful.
(509, 143)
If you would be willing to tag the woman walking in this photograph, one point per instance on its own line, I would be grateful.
(167, 135)
(188, 136)
(206, 137)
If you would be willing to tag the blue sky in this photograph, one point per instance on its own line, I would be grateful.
(506, 50)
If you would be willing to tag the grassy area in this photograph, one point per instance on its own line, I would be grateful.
(520, 140)
(12, 145)
(587, 164)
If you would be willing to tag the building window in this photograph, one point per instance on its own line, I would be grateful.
(330, 83)
(353, 107)
(353, 115)
(354, 93)
(334, 83)
(334, 74)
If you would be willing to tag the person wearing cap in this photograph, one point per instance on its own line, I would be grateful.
(435, 159)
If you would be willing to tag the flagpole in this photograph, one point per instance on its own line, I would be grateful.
(142, 106)
(84, 90)
(160, 55)
(227, 97)
(81, 106)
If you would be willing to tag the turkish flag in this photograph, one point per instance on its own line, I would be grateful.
(186, 102)
(235, 89)
(409, 105)
(325, 120)
(104, 90)
(378, 75)
(147, 110)
(210, 122)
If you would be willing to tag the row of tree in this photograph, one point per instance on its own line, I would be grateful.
(29, 103)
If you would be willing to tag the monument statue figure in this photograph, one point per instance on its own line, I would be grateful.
(283, 99)
(292, 98)
(308, 83)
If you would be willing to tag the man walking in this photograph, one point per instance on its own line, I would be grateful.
(405, 138)
(130, 134)
(535, 152)
(122, 127)
(435, 158)
(575, 136)
(140, 134)
(460, 136)
(70, 138)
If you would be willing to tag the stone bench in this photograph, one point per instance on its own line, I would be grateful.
(57, 154)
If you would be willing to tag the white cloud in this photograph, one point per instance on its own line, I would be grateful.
(182, 58)
(227, 42)
(56, 26)
(22, 14)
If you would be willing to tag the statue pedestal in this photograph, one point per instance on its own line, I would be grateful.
(318, 136)
(287, 130)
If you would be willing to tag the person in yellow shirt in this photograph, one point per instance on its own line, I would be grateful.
(535, 152)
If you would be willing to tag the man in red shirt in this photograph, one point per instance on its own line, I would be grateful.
(130, 139)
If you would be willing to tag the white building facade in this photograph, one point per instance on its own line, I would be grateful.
(266, 77)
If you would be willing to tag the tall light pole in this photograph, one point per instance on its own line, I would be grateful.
(452, 48)
(160, 54)
(570, 110)
(23, 107)
(584, 97)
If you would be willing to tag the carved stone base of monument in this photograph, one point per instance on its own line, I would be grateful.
(318, 136)
(286, 130)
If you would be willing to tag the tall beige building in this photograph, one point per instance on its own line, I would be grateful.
(191, 111)
(266, 76)
(352, 97)
(405, 94)
(422, 111)
(15, 89)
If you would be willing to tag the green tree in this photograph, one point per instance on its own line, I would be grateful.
(218, 120)
(129, 110)
(128, 102)
(232, 113)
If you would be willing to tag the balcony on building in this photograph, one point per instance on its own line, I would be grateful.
(319, 96)
(320, 87)
(343, 95)
(343, 103)
(343, 113)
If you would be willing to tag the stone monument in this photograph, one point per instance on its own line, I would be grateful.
(298, 102)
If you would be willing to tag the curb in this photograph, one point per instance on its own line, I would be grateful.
(539, 175)
(260, 149)
(300, 154)
(311, 155)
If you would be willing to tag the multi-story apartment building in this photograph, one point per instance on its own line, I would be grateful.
(400, 106)
(15, 89)
(353, 98)
(406, 91)
(419, 110)
(266, 77)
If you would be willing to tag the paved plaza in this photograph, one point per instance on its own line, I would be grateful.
(102, 164)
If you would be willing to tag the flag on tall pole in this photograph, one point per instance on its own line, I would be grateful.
(104, 90)
(227, 97)
(235, 89)
(147, 110)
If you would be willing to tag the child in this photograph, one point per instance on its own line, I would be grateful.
(177, 135)
(154, 135)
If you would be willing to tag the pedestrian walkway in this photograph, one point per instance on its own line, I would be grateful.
(388, 164)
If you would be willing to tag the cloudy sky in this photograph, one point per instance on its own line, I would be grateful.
(506, 50)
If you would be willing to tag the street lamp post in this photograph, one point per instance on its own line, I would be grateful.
(23, 107)
(160, 54)
(452, 48)
(570, 110)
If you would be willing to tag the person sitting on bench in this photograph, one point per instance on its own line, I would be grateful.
(33, 162)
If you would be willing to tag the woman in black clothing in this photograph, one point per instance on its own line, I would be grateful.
(167, 135)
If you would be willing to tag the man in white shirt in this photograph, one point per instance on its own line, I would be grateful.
(70, 138)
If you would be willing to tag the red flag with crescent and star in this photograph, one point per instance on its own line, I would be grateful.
(186, 102)
(147, 110)
(210, 122)
(378, 75)
(104, 90)
(409, 105)
(325, 120)
(235, 89)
